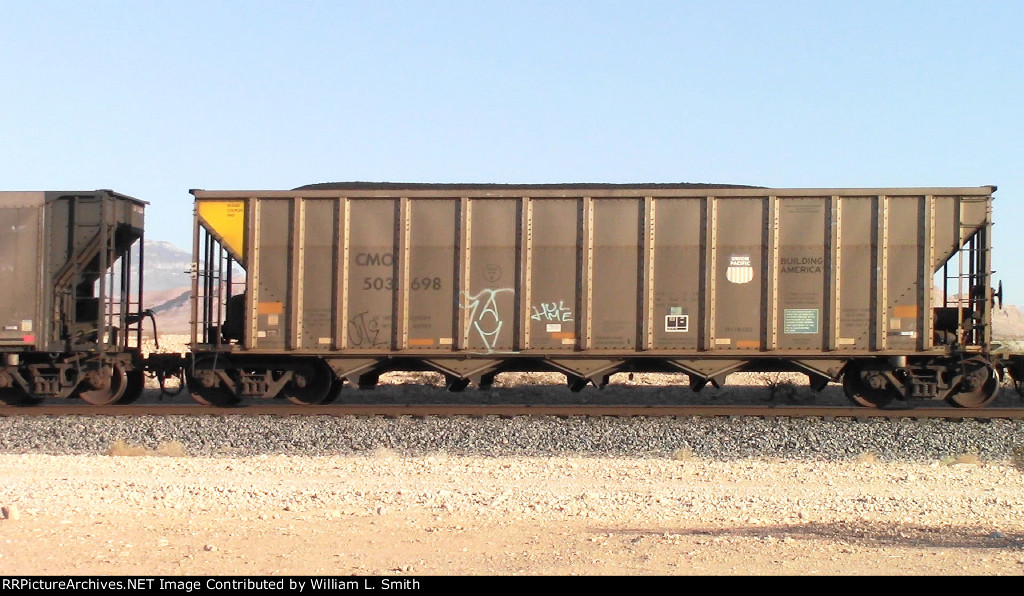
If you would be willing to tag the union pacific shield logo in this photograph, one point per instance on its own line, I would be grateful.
(740, 271)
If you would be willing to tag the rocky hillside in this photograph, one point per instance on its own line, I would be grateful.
(168, 285)
(1008, 323)
(167, 268)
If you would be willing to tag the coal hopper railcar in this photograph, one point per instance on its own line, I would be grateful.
(70, 296)
(887, 289)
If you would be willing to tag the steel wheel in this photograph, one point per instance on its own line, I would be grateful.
(136, 384)
(335, 391)
(108, 385)
(310, 384)
(206, 387)
(860, 393)
(980, 384)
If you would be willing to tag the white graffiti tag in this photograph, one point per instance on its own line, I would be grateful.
(484, 315)
(552, 311)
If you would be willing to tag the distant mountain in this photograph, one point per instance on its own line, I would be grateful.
(168, 285)
(1007, 323)
(166, 267)
(172, 309)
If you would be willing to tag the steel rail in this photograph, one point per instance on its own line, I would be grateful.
(506, 410)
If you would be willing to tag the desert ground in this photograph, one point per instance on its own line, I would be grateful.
(132, 512)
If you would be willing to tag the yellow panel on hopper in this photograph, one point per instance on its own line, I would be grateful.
(226, 220)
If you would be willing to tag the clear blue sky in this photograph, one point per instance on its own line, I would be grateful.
(154, 98)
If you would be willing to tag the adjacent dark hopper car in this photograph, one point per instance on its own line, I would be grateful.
(888, 289)
(70, 288)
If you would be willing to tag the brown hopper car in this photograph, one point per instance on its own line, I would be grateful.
(70, 288)
(888, 289)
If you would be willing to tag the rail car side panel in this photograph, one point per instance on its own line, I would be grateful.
(737, 270)
(676, 271)
(489, 273)
(802, 266)
(319, 234)
(271, 256)
(427, 282)
(21, 222)
(729, 273)
(856, 274)
(903, 281)
(614, 264)
(557, 301)
(370, 299)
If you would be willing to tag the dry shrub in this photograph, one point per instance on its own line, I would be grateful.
(172, 449)
(782, 386)
(122, 449)
(868, 457)
(684, 454)
(383, 453)
(964, 458)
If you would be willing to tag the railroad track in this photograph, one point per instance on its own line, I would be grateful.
(510, 410)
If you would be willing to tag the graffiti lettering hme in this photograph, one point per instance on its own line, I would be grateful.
(484, 315)
(551, 311)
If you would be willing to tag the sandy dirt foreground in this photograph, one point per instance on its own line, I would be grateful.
(388, 515)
